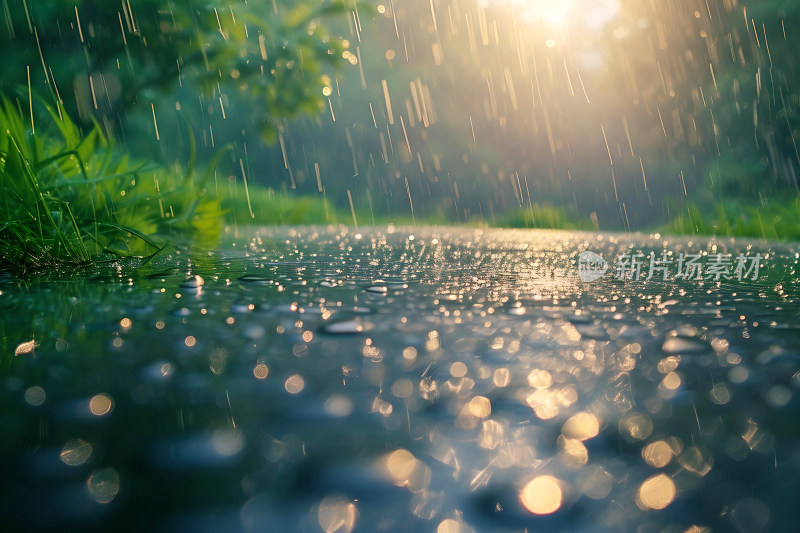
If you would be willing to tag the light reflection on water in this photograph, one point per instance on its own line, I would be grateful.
(460, 380)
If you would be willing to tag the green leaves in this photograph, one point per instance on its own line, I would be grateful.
(111, 55)
(67, 198)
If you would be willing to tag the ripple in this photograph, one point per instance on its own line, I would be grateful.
(346, 327)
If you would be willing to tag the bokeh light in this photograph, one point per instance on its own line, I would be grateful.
(542, 495)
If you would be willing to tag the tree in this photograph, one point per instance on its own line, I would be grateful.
(100, 58)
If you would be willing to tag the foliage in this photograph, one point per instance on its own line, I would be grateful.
(274, 207)
(70, 198)
(687, 100)
(112, 56)
(543, 216)
(263, 206)
(773, 220)
(746, 110)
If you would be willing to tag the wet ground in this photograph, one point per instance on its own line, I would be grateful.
(404, 380)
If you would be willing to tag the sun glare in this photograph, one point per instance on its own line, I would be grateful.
(553, 12)
(558, 14)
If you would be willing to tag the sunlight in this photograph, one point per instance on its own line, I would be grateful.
(559, 14)
(553, 12)
(434, 265)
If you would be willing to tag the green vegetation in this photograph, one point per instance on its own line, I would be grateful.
(772, 220)
(71, 194)
(71, 198)
(543, 216)
(114, 56)
(263, 206)
(135, 97)
(68, 198)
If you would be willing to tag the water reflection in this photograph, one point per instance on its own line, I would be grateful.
(35, 395)
(656, 492)
(101, 404)
(295, 384)
(261, 371)
(319, 381)
(542, 495)
(103, 485)
(337, 514)
(581, 426)
(76, 452)
(658, 454)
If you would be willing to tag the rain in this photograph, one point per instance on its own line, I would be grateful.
(399, 265)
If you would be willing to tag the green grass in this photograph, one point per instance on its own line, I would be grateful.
(67, 198)
(270, 207)
(265, 206)
(543, 216)
(772, 220)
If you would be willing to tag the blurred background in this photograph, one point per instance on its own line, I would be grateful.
(628, 115)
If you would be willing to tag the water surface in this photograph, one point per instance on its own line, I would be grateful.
(426, 379)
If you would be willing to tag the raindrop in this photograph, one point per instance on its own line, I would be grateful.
(480, 407)
(720, 394)
(595, 482)
(101, 404)
(337, 514)
(448, 525)
(636, 426)
(260, 371)
(581, 426)
(657, 454)
(76, 452)
(542, 495)
(227, 442)
(194, 282)
(294, 384)
(103, 485)
(35, 395)
(657, 492)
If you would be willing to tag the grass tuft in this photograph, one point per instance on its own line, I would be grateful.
(68, 199)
